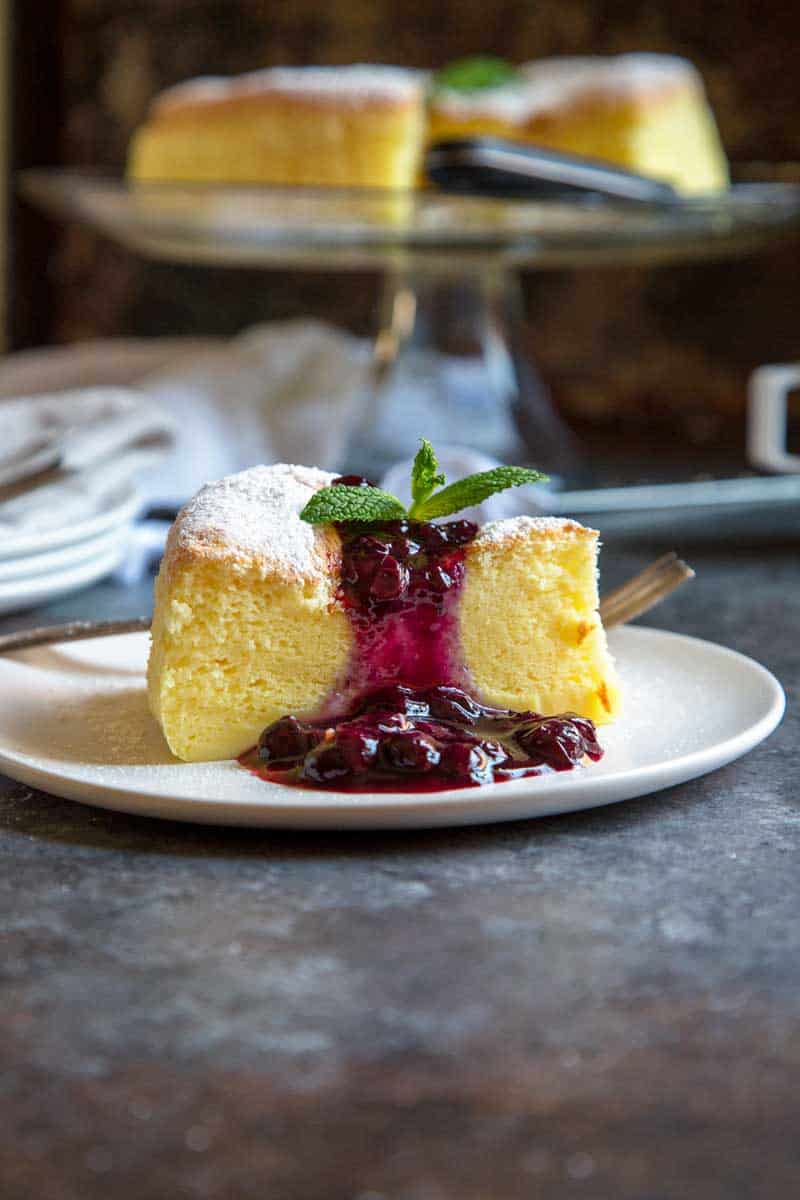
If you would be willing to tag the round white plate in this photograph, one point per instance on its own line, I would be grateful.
(19, 594)
(120, 509)
(14, 570)
(74, 722)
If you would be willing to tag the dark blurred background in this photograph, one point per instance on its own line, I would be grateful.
(653, 353)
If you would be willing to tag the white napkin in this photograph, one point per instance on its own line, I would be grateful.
(288, 391)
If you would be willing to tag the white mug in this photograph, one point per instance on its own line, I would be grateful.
(767, 400)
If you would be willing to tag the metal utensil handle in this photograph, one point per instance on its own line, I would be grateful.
(72, 631)
(496, 165)
(644, 591)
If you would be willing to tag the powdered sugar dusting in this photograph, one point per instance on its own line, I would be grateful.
(355, 84)
(553, 84)
(513, 528)
(255, 517)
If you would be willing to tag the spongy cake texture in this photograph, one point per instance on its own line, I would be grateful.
(645, 112)
(358, 126)
(531, 636)
(245, 626)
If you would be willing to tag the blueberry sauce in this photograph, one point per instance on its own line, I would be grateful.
(400, 738)
(399, 587)
(404, 721)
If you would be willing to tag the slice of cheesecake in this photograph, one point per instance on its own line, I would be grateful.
(645, 112)
(348, 126)
(253, 619)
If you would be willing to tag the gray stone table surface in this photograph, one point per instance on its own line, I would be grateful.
(603, 1006)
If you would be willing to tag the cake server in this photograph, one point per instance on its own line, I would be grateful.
(494, 167)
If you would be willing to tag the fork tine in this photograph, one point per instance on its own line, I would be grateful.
(634, 588)
(637, 603)
(641, 595)
(643, 592)
(653, 569)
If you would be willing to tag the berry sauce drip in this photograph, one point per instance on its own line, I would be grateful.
(399, 585)
(400, 738)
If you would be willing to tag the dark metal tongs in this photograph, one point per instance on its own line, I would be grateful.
(488, 166)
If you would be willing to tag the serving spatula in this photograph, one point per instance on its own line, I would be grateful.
(490, 166)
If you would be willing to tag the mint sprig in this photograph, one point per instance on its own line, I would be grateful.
(371, 506)
(424, 474)
(476, 74)
(340, 503)
(473, 490)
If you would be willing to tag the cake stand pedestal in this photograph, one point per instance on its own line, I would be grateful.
(448, 365)
(448, 361)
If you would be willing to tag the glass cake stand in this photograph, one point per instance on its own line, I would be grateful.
(448, 359)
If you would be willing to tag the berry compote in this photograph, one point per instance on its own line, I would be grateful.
(400, 738)
(399, 585)
(405, 721)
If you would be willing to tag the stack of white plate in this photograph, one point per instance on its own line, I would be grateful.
(69, 470)
(40, 564)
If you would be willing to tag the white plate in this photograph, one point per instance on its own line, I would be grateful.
(19, 594)
(119, 509)
(74, 722)
(15, 570)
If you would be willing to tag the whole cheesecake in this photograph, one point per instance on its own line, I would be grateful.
(367, 124)
(259, 614)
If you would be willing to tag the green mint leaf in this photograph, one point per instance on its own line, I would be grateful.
(424, 477)
(351, 504)
(476, 74)
(475, 488)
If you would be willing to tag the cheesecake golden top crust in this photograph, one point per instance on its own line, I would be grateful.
(252, 520)
(352, 86)
(518, 529)
(553, 85)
